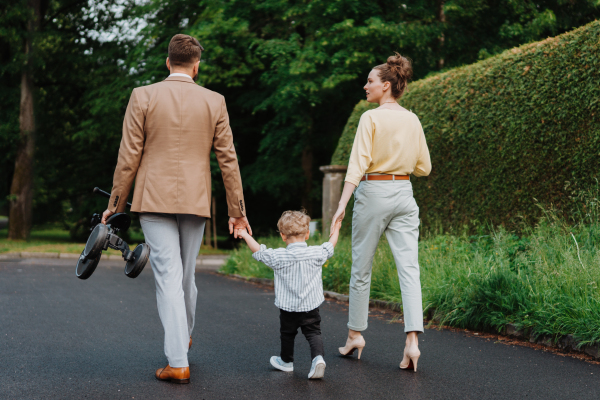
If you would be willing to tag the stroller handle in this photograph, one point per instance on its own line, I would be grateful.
(102, 193)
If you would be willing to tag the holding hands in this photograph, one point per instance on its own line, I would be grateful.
(246, 233)
(339, 215)
(238, 224)
(336, 221)
(336, 224)
(243, 234)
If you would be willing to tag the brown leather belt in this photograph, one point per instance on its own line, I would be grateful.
(385, 178)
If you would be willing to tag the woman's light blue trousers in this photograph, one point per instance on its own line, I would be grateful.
(385, 206)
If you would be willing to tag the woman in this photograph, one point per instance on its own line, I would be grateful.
(388, 147)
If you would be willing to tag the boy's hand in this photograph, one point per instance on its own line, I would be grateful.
(337, 225)
(335, 231)
(252, 244)
(338, 217)
(238, 223)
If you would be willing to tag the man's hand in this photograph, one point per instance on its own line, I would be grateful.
(239, 223)
(105, 215)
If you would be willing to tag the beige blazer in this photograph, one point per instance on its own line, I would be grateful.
(168, 132)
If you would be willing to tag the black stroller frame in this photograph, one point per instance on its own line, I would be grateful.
(103, 237)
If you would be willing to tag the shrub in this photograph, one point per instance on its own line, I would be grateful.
(545, 282)
(506, 131)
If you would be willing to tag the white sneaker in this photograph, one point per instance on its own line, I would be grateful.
(278, 363)
(317, 369)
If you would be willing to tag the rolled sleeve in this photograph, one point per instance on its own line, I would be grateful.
(327, 251)
(267, 257)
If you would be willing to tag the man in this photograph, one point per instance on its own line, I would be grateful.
(168, 131)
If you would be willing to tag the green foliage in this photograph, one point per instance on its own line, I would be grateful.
(344, 147)
(291, 72)
(506, 131)
(81, 90)
(53, 238)
(484, 281)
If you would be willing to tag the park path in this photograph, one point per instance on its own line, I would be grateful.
(61, 337)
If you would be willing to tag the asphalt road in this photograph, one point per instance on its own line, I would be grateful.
(63, 338)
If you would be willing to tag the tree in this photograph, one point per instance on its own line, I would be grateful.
(314, 55)
(21, 192)
(291, 72)
(61, 59)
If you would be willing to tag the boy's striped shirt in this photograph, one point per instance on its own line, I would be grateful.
(298, 274)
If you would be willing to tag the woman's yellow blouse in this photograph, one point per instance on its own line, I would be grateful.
(388, 142)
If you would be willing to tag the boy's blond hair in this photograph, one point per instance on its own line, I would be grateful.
(294, 223)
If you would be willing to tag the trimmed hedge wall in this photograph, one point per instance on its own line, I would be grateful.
(506, 131)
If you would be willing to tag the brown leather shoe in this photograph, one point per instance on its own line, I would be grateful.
(190, 343)
(175, 375)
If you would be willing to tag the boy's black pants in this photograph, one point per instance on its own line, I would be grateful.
(310, 323)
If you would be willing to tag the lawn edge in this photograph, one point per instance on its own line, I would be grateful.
(212, 260)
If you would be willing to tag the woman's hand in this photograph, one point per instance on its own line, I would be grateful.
(341, 211)
(338, 217)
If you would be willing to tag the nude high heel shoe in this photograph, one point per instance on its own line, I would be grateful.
(351, 345)
(411, 357)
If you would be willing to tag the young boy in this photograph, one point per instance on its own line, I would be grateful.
(298, 286)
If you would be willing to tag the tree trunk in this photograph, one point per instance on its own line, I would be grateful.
(21, 190)
(441, 39)
(307, 165)
(307, 162)
(207, 239)
(214, 222)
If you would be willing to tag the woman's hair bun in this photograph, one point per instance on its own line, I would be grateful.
(397, 71)
(400, 65)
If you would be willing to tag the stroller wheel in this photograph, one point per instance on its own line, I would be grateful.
(95, 243)
(86, 266)
(134, 267)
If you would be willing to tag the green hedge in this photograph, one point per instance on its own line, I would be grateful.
(506, 132)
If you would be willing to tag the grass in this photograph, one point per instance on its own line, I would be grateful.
(544, 280)
(56, 240)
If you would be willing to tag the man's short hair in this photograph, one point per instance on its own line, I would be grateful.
(294, 223)
(184, 50)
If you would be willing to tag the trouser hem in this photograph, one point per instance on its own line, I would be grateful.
(182, 363)
(413, 329)
(358, 328)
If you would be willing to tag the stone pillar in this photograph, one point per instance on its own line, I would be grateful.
(332, 191)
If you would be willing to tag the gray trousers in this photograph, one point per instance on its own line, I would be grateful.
(385, 206)
(175, 241)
